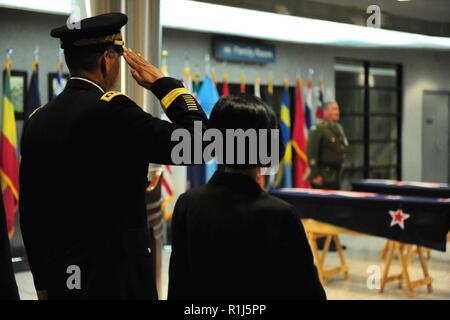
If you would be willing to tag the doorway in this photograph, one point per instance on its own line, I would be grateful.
(435, 139)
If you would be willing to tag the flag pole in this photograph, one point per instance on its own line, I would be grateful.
(270, 82)
(207, 65)
(35, 64)
(242, 79)
(164, 65)
(298, 73)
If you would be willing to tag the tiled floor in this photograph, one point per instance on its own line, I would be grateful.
(361, 253)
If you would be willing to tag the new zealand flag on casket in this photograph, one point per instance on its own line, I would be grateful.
(415, 220)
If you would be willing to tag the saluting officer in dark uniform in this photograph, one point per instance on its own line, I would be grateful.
(83, 174)
(327, 149)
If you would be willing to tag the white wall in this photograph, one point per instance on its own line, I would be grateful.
(23, 31)
(422, 70)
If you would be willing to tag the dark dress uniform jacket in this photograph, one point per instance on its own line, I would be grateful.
(231, 240)
(327, 150)
(83, 177)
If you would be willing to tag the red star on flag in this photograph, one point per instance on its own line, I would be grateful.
(398, 218)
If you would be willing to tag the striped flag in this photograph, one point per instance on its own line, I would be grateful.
(308, 106)
(242, 85)
(9, 164)
(225, 87)
(319, 110)
(299, 139)
(285, 126)
(167, 204)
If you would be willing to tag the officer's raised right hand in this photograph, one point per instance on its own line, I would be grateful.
(142, 71)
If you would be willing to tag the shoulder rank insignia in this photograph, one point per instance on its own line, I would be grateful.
(34, 112)
(172, 95)
(108, 96)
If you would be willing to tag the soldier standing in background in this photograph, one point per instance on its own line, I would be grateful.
(327, 149)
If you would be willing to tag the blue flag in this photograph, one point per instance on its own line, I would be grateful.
(208, 96)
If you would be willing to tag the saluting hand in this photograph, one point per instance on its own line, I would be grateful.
(142, 71)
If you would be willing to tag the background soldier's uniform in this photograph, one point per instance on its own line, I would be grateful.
(327, 148)
(83, 177)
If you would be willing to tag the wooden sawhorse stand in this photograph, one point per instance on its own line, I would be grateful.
(316, 230)
(411, 252)
(403, 277)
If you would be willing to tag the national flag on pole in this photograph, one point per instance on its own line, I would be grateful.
(285, 128)
(299, 139)
(214, 76)
(187, 79)
(242, 84)
(208, 96)
(167, 204)
(9, 164)
(196, 85)
(319, 110)
(225, 86)
(257, 88)
(33, 97)
(59, 79)
(308, 105)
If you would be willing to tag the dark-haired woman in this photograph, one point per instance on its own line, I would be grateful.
(232, 240)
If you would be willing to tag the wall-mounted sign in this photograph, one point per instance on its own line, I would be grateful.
(240, 51)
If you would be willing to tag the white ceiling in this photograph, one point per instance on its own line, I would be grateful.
(428, 10)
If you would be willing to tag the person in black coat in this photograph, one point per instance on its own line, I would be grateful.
(8, 286)
(231, 239)
(83, 173)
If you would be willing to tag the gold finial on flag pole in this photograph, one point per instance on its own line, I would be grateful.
(8, 62)
(36, 61)
(270, 82)
(164, 65)
(286, 79)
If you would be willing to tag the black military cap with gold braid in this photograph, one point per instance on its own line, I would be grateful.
(99, 30)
